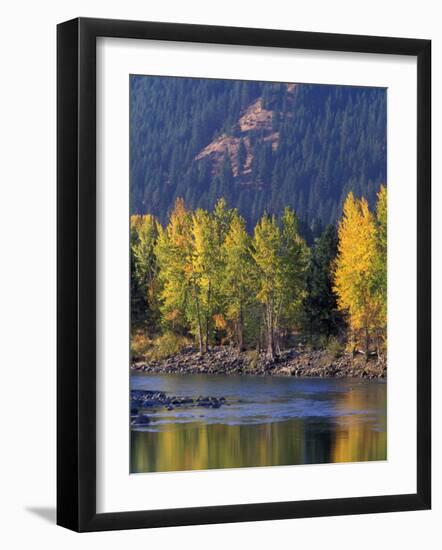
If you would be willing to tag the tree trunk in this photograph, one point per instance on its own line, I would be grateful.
(270, 355)
(207, 320)
(240, 330)
(259, 339)
(276, 331)
(379, 345)
(367, 343)
(200, 339)
(206, 343)
(277, 341)
(200, 332)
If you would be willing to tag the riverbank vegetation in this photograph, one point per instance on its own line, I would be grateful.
(203, 280)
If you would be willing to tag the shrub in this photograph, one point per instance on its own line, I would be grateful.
(165, 345)
(332, 344)
(142, 347)
(252, 357)
(335, 347)
(317, 342)
(139, 345)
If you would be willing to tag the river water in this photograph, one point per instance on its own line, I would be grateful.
(269, 421)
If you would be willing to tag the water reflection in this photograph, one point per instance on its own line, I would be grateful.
(355, 440)
(270, 422)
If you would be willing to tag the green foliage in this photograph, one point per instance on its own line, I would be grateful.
(252, 357)
(295, 256)
(242, 154)
(380, 276)
(174, 255)
(317, 342)
(335, 347)
(238, 278)
(320, 307)
(280, 256)
(144, 235)
(207, 267)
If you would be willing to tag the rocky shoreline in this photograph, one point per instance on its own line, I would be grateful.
(226, 360)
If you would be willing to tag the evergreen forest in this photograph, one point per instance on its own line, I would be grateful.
(261, 146)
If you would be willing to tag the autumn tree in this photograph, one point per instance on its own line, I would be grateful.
(204, 275)
(180, 296)
(266, 246)
(238, 279)
(144, 234)
(279, 254)
(206, 267)
(380, 271)
(294, 255)
(355, 269)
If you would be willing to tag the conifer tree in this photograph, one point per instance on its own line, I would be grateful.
(242, 155)
(222, 216)
(320, 302)
(138, 298)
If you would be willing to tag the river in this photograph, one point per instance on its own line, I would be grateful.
(269, 421)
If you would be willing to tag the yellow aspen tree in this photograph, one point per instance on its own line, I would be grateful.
(180, 293)
(380, 279)
(238, 280)
(269, 264)
(294, 252)
(206, 267)
(354, 268)
(280, 255)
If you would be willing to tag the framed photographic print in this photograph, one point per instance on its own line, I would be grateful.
(243, 274)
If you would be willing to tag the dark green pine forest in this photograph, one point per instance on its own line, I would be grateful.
(261, 146)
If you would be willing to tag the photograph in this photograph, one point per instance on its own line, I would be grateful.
(258, 273)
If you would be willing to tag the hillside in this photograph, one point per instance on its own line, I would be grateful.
(260, 145)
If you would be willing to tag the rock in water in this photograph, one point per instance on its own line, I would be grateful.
(141, 419)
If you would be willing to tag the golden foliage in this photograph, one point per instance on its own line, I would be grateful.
(356, 270)
(219, 321)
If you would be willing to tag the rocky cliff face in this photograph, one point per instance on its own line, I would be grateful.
(256, 124)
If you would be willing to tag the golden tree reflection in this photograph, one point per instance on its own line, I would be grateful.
(356, 440)
(354, 431)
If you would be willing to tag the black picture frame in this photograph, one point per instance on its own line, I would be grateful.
(76, 274)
